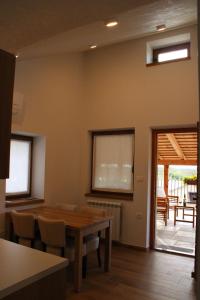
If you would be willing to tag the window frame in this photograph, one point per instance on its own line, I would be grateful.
(19, 137)
(171, 48)
(109, 194)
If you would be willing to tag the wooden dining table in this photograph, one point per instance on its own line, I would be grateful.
(78, 225)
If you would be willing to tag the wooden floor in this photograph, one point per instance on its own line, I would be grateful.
(138, 275)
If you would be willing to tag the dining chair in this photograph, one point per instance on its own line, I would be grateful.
(93, 240)
(24, 228)
(55, 241)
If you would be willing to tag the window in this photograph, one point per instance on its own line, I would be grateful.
(19, 182)
(112, 162)
(171, 53)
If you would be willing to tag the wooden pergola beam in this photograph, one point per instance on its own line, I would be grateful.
(166, 178)
(177, 162)
(176, 145)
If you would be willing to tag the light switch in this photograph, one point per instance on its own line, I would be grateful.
(139, 216)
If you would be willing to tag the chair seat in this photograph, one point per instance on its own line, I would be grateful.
(161, 209)
(36, 243)
(92, 243)
(69, 251)
(25, 242)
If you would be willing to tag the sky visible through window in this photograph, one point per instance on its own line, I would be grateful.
(171, 55)
(179, 171)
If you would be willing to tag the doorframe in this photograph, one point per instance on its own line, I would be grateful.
(155, 132)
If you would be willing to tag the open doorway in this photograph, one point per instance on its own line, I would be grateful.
(174, 190)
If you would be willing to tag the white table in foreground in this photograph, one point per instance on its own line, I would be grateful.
(27, 273)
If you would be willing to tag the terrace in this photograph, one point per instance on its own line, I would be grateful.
(177, 160)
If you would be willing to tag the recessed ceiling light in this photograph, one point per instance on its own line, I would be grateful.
(160, 27)
(93, 46)
(111, 23)
(17, 55)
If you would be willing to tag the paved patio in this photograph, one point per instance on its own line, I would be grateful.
(179, 238)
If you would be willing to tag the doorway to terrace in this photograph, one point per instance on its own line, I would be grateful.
(175, 169)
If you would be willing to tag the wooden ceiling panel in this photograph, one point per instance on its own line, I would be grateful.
(180, 148)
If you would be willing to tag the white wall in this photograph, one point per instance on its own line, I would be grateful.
(2, 206)
(110, 87)
(38, 167)
(121, 92)
(51, 89)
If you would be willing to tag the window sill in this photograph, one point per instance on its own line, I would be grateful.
(167, 62)
(23, 201)
(110, 196)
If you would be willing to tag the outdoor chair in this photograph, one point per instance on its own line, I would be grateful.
(162, 209)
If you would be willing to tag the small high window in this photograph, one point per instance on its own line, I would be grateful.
(171, 53)
(168, 49)
(19, 182)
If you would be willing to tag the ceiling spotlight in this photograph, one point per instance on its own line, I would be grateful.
(93, 46)
(160, 27)
(17, 55)
(111, 23)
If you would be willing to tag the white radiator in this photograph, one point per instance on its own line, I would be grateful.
(114, 209)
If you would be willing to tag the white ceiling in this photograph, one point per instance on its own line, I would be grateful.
(38, 28)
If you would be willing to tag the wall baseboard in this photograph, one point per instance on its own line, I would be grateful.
(120, 244)
(2, 235)
(138, 248)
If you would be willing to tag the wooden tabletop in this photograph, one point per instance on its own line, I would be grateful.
(78, 225)
(72, 219)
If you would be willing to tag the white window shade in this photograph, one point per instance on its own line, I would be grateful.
(20, 157)
(113, 163)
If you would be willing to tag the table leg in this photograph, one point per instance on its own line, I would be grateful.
(78, 261)
(193, 218)
(177, 209)
(175, 212)
(8, 227)
(108, 247)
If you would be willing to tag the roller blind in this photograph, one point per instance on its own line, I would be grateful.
(113, 163)
(20, 154)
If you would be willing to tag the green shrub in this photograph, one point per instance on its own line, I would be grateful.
(190, 179)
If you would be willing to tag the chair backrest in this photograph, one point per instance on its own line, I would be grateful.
(173, 199)
(93, 210)
(23, 224)
(162, 202)
(52, 232)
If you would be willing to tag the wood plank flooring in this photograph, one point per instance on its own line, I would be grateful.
(138, 275)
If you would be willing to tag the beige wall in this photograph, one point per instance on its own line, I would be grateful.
(51, 89)
(111, 87)
(122, 92)
(2, 206)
